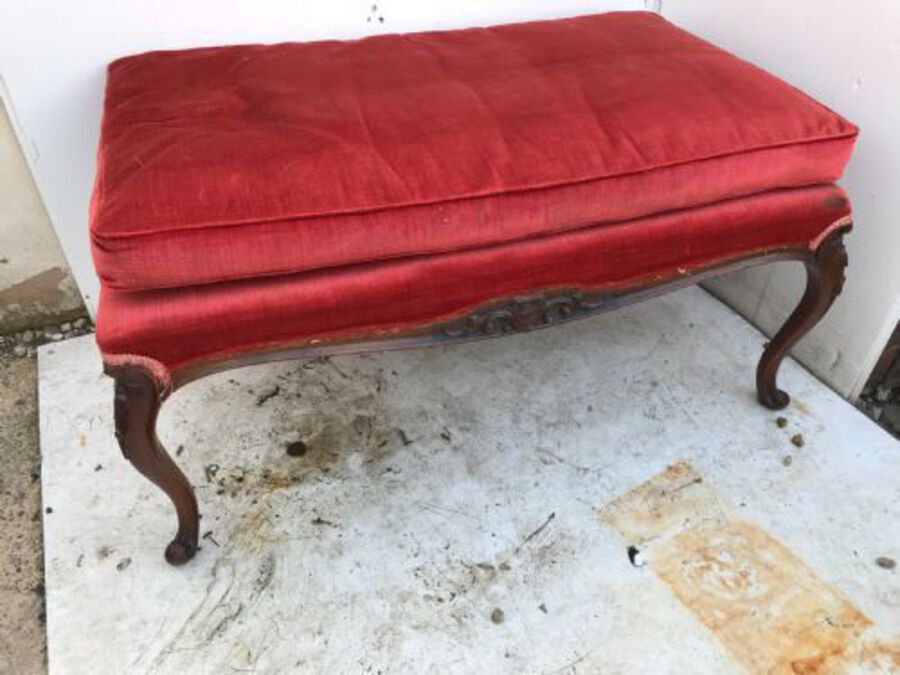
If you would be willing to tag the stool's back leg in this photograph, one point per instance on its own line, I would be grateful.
(824, 281)
(137, 402)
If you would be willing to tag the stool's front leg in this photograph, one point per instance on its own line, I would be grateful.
(824, 281)
(137, 402)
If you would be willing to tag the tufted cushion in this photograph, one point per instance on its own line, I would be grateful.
(252, 161)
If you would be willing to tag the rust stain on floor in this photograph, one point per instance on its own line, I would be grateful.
(766, 606)
(668, 503)
(873, 658)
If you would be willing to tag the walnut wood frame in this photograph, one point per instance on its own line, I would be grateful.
(139, 392)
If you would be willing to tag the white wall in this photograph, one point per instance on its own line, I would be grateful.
(846, 54)
(53, 54)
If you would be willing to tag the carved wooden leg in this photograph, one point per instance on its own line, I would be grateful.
(824, 281)
(137, 402)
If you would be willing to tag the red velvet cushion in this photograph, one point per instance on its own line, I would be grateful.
(185, 326)
(249, 161)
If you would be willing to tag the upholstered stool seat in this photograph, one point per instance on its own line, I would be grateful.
(257, 202)
(242, 162)
(184, 327)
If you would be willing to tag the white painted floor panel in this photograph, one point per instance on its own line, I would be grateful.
(443, 484)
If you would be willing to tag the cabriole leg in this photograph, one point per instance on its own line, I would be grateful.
(137, 402)
(824, 281)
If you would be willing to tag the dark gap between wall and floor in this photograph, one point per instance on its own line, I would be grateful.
(880, 398)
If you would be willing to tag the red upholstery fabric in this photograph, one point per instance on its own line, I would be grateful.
(239, 162)
(184, 326)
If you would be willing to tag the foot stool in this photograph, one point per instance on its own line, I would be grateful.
(264, 202)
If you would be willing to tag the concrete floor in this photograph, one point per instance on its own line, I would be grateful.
(496, 507)
(22, 645)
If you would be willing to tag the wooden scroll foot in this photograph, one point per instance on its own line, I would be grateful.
(137, 401)
(824, 281)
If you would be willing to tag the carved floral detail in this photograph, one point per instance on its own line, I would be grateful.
(833, 253)
(522, 314)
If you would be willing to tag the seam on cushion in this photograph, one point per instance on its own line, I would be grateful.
(849, 135)
(462, 249)
(424, 253)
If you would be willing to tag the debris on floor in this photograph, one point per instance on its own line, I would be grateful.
(26, 342)
(365, 549)
(297, 449)
(268, 394)
(880, 399)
